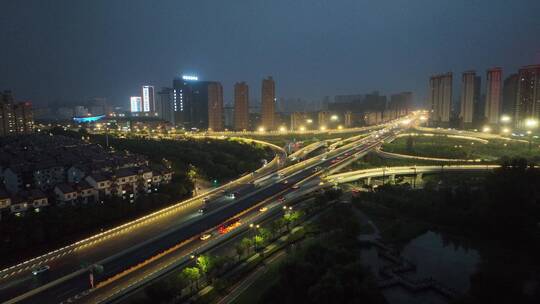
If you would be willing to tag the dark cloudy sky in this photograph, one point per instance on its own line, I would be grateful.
(70, 50)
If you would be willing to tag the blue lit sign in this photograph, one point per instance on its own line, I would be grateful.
(88, 119)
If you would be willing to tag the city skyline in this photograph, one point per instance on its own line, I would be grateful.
(117, 64)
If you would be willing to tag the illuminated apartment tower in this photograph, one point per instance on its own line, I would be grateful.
(135, 103)
(15, 117)
(148, 99)
(528, 94)
(493, 95)
(467, 98)
(268, 103)
(215, 106)
(440, 98)
(241, 106)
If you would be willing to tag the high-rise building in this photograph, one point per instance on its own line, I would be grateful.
(440, 98)
(528, 94)
(190, 101)
(348, 119)
(215, 106)
(24, 120)
(135, 103)
(241, 106)
(509, 95)
(148, 99)
(400, 104)
(228, 117)
(15, 117)
(268, 103)
(323, 119)
(164, 105)
(493, 95)
(467, 97)
(298, 120)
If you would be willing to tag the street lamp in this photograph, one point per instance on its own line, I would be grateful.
(506, 119)
(530, 124)
(261, 129)
(323, 128)
(486, 129)
(302, 128)
(334, 118)
(340, 127)
(282, 129)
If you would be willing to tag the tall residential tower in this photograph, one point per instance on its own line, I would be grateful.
(493, 96)
(467, 98)
(440, 98)
(268, 103)
(241, 106)
(528, 94)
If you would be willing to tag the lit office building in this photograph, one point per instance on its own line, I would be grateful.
(148, 99)
(191, 100)
(135, 104)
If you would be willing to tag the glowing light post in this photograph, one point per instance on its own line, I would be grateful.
(530, 124)
(505, 120)
(254, 229)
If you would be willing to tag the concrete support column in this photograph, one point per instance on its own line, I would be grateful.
(368, 181)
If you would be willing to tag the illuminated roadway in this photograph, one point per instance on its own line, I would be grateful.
(18, 279)
(73, 283)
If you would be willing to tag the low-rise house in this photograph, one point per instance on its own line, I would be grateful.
(46, 175)
(145, 179)
(86, 193)
(17, 178)
(125, 182)
(101, 183)
(65, 194)
(37, 199)
(19, 205)
(75, 174)
(5, 202)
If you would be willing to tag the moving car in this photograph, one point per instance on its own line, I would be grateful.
(40, 269)
(205, 236)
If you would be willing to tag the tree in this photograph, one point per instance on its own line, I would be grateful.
(265, 234)
(192, 274)
(247, 244)
(204, 263)
(275, 227)
(258, 242)
(240, 250)
(291, 217)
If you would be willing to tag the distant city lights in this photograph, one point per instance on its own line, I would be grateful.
(190, 77)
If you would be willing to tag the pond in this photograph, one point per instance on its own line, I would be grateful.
(435, 255)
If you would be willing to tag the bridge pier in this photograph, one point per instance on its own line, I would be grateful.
(392, 179)
(368, 181)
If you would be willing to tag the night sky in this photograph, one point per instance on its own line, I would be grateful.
(71, 50)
